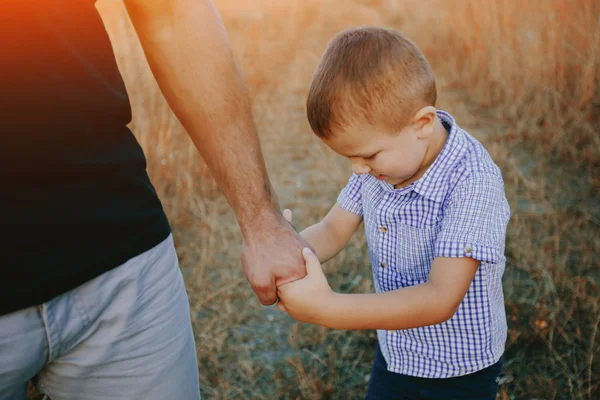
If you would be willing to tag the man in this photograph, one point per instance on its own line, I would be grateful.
(92, 303)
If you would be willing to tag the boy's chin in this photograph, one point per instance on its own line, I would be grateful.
(397, 183)
(389, 179)
(392, 181)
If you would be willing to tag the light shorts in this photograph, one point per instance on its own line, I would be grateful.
(126, 334)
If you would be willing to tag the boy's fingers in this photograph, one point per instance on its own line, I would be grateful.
(287, 214)
(281, 306)
(312, 262)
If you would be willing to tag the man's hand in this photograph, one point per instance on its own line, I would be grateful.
(307, 299)
(272, 256)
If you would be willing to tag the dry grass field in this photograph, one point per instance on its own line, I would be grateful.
(523, 77)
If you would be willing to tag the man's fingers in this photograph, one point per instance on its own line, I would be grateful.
(287, 214)
(267, 294)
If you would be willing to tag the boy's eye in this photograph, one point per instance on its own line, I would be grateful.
(371, 157)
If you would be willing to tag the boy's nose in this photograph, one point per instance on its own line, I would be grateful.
(360, 167)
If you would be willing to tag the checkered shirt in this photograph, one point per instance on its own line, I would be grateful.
(456, 209)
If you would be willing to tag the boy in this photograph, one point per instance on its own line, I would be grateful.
(435, 215)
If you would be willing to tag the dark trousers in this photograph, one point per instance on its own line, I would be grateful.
(386, 385)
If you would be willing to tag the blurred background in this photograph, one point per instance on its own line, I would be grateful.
(521, 76)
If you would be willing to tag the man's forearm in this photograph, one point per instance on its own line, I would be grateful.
(404, 308)
(190, 55)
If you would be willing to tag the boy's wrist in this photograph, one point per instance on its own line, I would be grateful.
(333, 311)
(325, 313)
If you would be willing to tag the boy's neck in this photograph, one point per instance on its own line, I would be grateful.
(436, 144)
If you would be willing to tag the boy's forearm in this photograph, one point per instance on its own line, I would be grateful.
(323, 240)
(404, 308)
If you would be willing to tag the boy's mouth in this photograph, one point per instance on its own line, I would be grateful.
(380, 177)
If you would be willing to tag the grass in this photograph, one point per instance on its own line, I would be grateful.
(522, 76)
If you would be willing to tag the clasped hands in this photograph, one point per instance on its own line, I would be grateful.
(278, 267)
(309, 298)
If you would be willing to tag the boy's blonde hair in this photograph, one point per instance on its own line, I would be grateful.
(370, 75)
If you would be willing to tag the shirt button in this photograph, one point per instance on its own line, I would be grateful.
(383, 264)
(468, 249)
(383, 229)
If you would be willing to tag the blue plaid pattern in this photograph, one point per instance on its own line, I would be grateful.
(456, 209)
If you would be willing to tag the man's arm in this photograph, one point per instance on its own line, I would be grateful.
(312, 300)
(330, 235)
(188, 51)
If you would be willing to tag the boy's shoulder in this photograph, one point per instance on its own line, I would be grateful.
(473, 163)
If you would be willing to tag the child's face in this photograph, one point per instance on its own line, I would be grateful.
(397, 158)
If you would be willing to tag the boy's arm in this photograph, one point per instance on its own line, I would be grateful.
(473, 229)
(329, 236)
(432, 302)
(312, 300)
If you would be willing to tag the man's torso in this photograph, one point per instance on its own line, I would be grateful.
(77, 200)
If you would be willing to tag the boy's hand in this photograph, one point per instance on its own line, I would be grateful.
(307, 299)
(287, 214)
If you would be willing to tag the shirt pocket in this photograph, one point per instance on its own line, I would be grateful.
(416, 251)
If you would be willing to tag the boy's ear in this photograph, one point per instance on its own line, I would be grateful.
(424, 121)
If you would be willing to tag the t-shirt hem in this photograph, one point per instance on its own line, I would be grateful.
(11, 301)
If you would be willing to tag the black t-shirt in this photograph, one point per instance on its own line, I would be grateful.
(75, 198)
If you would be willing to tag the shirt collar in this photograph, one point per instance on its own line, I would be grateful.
(434, 182)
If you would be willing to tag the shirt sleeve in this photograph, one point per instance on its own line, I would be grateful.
(475, 219)
(350, 198)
